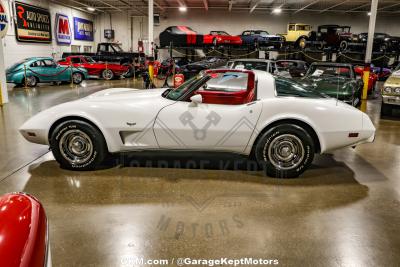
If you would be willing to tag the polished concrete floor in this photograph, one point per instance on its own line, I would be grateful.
(344, 211)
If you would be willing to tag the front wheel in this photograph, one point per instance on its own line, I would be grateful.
(301, 43)
(285, 151)
(78, 145)
(77, 78)
(107, 74)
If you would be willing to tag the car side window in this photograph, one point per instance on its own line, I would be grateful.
(103, 48)
(75, 60)
(49, 63)
(291, 27)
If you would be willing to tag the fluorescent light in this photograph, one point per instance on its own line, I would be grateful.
(91, 9)
(369, 13)
(277, 10)
(182, 9)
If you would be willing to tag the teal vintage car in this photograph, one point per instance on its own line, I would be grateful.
(43, 70)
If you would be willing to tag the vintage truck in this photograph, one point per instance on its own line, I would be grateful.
(113, 53)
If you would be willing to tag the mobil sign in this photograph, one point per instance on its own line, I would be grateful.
(63, 29)
(3, 20)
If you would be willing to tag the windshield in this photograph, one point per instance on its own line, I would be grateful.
(219, 33)
(117, 48)
(329, 71)
(263, 33)
(179, 92)
(287, 87)
(90, 60)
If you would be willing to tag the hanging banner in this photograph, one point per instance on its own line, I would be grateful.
(63, 29)
(33, 24)
(83, 29)
(3, 20)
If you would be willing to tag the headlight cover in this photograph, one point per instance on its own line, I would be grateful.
(397, 90)
(387, 90)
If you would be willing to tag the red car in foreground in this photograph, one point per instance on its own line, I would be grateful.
(107, 71)
(221, 38)
(24, 238)
(373, 78)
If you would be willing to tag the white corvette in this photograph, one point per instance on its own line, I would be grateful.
(274, 119)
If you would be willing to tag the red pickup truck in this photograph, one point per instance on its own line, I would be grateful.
(107, 71)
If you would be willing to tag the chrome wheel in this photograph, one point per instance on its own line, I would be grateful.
(31, 81)
(76, 147)
(108, 74)
(77, 78)
(285, 152)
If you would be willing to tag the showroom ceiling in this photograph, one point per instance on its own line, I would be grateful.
(139, 7)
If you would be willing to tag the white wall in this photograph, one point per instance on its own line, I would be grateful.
(15, 51)
(235, 22)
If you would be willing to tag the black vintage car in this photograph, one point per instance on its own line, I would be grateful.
(382, 42)
(332, 36)
(194, 68)
(180, 36)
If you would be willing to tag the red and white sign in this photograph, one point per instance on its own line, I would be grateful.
(3, 20)
(63, 29)
(178, 80)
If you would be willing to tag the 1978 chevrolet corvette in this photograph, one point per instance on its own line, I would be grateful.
(276, 120)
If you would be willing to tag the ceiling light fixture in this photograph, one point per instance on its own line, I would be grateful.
(277, 10)
(91, 9)
(182, 9)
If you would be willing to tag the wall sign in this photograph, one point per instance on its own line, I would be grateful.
(83, 29)
(33, 24)
(3, 20)
(63, 29)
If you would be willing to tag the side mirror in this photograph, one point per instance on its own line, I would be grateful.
(196, 99)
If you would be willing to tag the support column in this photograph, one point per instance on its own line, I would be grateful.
(151, 27)
(371, 30)
(3, 83)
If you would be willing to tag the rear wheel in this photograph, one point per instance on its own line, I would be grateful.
(285, 151)
(107, 74)
(31, 81)
(343, 45)
(77, 78)
(78, 145)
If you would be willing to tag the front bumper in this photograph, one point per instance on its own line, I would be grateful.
(391, 100)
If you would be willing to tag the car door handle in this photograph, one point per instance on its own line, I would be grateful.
(251, 103)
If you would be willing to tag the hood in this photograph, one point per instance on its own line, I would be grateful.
(327, 85)
(123, 95)
(394, 80)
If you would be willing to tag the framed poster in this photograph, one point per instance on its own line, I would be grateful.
(3, 21)
(33, 24)
(63, 30)
(83, 29)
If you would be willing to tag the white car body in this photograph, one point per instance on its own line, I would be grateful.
(143, 120)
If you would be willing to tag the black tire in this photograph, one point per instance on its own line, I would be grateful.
(77, 78)
(84, 136)
(290, 139)
(301, 43)
(343, 45)
(32, 81)
(107, 74)
(386, 110)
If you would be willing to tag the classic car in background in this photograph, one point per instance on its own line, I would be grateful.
(180, 36)
(43, 70)
(257, 64)
(373, 77)
(24, 232)
(221, 38)
(332, 36)
(296, 68)
(336, 80)
(297, 34)
(107, 71)
(391, 93)
(382, 42)
(222, 99)
(194, 68)
(258, 38)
